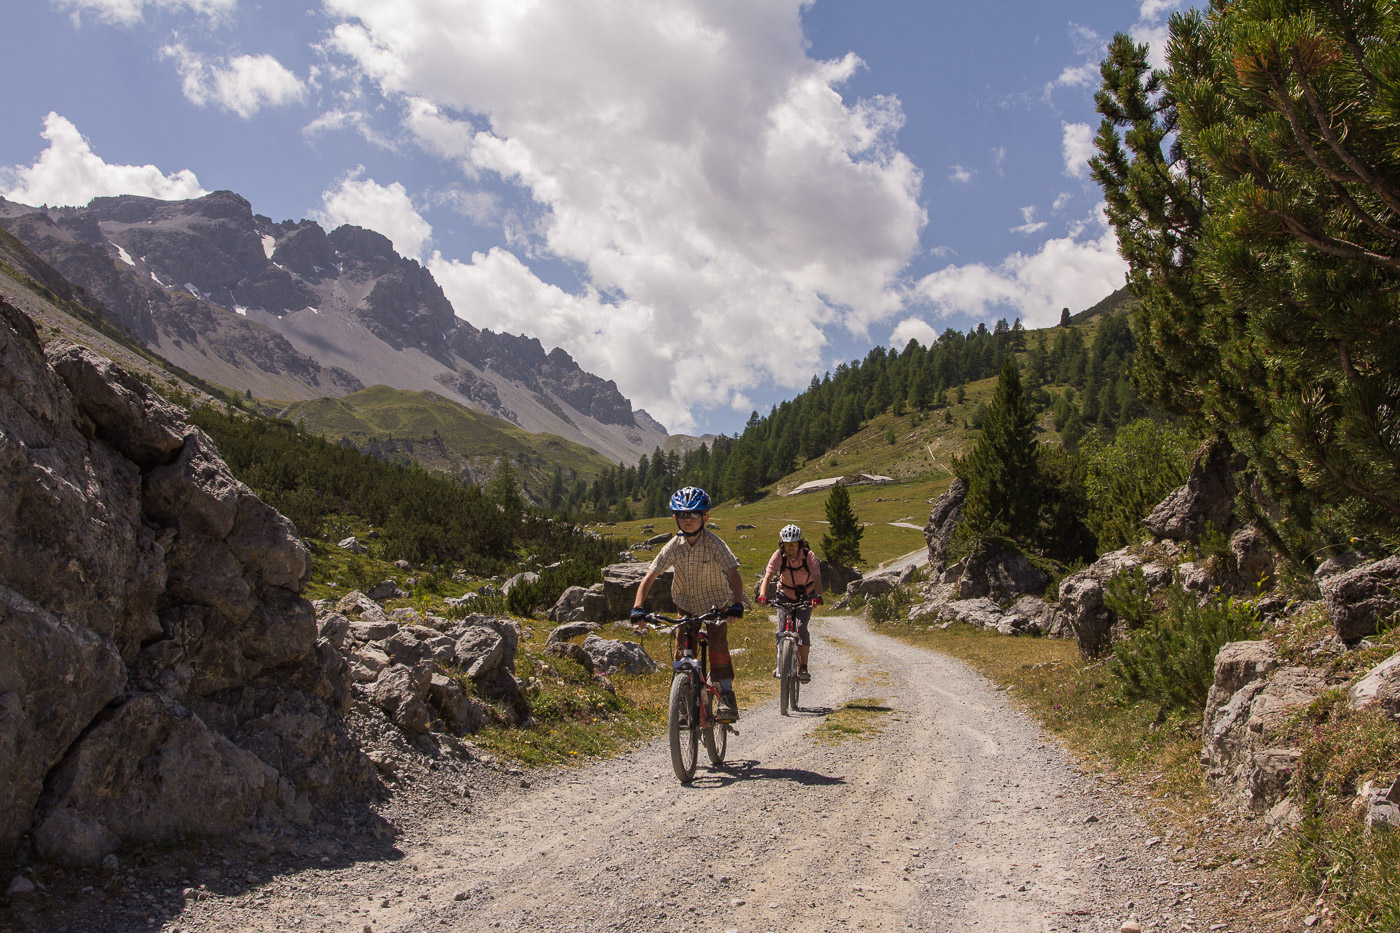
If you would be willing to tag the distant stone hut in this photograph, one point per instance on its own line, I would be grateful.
(855, 479)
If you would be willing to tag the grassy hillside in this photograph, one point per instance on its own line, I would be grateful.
(442, 435)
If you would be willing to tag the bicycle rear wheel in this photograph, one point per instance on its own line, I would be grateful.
(716, 734)
(787, 676)
(683, 727)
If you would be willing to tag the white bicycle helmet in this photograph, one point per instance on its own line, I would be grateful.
(790, 533)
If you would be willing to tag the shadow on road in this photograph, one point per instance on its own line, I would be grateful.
(750, 771)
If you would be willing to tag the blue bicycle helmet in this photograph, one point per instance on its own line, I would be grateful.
(690, 499)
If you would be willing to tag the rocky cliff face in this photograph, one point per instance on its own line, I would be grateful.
(160, 674)
(287, 310)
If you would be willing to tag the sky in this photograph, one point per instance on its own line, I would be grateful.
(707, 201)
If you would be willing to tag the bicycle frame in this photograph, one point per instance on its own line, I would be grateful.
(789, 688)
(693, 694)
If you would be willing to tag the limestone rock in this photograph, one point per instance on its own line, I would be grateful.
(620, 583)
(151, 771)
(1001, 573)
(570, 630)
(943, 521)
(1253, 695)
(610, 657)
(1381, 685)
(400, 692)
(1360, 599)
(1207, 499)
(54, 678)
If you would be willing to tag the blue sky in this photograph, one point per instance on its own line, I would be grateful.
(708, 201)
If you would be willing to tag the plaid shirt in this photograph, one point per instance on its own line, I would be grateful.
(700, 582)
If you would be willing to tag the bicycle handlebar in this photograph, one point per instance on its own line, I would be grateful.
(719, 616)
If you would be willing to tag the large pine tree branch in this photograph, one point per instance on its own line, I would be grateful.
(1332, 246)
(1361, 214)
(1373, 180)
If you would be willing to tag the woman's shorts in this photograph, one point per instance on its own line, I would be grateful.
(803, 616)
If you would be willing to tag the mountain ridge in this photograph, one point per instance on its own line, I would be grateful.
(288, 311)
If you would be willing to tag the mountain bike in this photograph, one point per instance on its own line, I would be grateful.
(789, 683)
(691, 709)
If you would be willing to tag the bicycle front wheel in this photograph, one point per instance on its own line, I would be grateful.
(716, 734)
(683, 727)
(787, 676)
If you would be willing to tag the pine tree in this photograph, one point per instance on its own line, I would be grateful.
(1003, 497)
(841, 544)
(1263, 248)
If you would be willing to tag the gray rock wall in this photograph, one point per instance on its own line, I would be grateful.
(149, 609)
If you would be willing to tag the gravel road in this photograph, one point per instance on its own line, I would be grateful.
(951, 812)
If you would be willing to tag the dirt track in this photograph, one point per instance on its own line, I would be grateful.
(958, 814)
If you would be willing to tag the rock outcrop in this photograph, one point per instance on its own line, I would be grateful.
(1253, 695)
(1360, 600)
(159, 670)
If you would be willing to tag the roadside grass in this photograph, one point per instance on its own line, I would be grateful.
(1081, 704)
(576, 718)
(1331, 858)
(862, 718)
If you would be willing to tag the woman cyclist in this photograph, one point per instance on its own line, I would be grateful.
(799, 575)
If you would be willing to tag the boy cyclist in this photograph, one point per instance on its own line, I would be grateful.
(799, 575)
(706, 575)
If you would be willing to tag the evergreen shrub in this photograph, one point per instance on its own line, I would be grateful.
(1170, 660)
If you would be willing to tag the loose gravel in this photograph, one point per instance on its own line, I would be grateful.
(950, 811)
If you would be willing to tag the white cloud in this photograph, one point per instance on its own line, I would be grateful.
(386, 209)
(1061, 199)
(131, 12)
(1077, 146)
(1156, 37)
(356, 121)
(243, 84)
(999, 159)
(1030, 224)
(1068, 272)
(68, 172)
(1078, 76)
(959, 174)
(687, 158)
(912, 328)
(1153, 10)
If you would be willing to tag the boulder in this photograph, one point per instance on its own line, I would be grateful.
(1380, 685)
(1207, 499)
(1029, 615)
(1252, 697)
(611, 657)
(136, 570)
(577, 604)
(1000, 572)
(385, 590)
(526, 577)
(836, 578)
(1361, 599)
(979, 613)
(352, 545)
(943, 522)
(400, 691)
(148, 772)
(570, 630)
(360, 606)
(1081, 612)
(620, 583)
